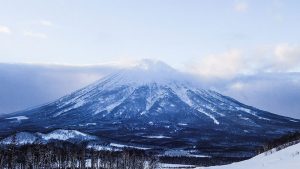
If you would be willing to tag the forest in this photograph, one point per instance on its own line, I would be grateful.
(281, 142)
(66, 155)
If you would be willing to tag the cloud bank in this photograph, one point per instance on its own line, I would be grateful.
(275, 92)
(27, 85)
(278, 58)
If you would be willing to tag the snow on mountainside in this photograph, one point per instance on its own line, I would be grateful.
(66, 135)
(286, 158)
(23, 138)
(18, 118)
(153, 104)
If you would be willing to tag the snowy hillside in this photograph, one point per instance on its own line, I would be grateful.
(288, 158)
(23, 138)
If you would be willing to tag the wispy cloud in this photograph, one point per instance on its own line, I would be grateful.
(35, 34)
(46, 23)
(5, 29)
(241, 6)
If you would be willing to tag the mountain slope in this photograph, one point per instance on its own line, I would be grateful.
(154, 105)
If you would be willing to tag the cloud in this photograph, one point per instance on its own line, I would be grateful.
(282, 57)
(46, 23)
(241, 6)
(287, 56)
(263, 59)
(223, 65)
(35, 34)
(5, 29)
(27, 85)
(273, 92)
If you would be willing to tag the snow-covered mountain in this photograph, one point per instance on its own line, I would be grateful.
(154, 105)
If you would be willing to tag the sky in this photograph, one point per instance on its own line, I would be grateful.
(249, 50)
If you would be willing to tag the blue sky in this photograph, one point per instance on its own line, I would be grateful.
(239, 46)
(175, 31)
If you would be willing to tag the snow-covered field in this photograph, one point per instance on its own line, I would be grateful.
(288, 158)
(124, 146)
(174, 166)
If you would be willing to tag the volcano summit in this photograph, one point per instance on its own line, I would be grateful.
(155, 107)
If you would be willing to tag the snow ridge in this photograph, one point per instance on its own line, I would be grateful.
(285, 158)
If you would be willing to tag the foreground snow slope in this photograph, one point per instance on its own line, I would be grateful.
(288, 158)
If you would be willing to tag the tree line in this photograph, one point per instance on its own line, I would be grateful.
(280, 143)
(66, 155)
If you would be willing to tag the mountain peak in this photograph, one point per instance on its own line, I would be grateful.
(153, 65)
(149, 71)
